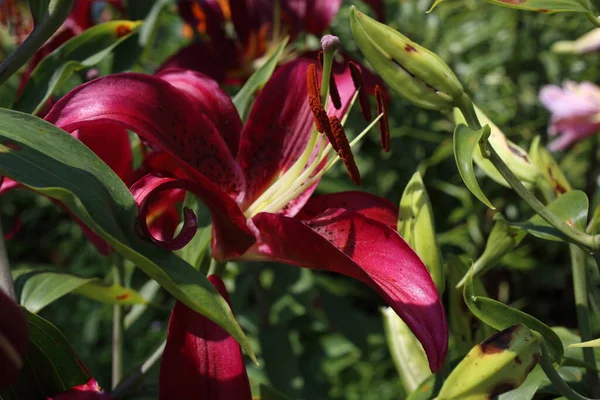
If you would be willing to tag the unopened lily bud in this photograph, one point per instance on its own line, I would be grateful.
(588, 43)
(514, 156)
(542, 6)
(406, 351)
(416, 73)
(498, 364)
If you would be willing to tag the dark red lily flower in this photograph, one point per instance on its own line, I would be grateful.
(201, 360)
(13, 340)
(256, 179)
(231, 58)
(87, 391)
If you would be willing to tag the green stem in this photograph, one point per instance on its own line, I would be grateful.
(118, 330)
(594, 20)
(580, 238)
(139, 374)
(555, 378)
(218, 268)
(6, 280)
(580, 287)
(42, 32)
(327, 63)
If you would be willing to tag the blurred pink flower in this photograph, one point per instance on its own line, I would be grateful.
(575, 112)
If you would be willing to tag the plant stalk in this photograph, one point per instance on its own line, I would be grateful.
(591, 243)
(118, 331)
(42, 32)
(139, 374)
(6, 280)
(558, 383)
(580, 287)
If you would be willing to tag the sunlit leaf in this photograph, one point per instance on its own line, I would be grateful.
(54, 163)
(571, 207)
(243, 98)
(500, 316)
(416, 226)
(465, 142)
(83, 51)
(44, 287)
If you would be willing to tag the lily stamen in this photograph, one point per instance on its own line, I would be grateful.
(344, 151)
(363, 99)
(314, 101)
(384, 127)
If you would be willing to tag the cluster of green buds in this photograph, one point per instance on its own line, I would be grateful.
(498, 364)
(414, 72)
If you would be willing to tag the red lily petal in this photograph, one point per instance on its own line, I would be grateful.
(377, 6)
(88, 391)
(367, 204)
(215, 103)
(351, 244)
(14, 337)
(279, 125)
(319, 14)
(111, 144)
(162, 114)
(214, 58)
(7, 184)
(201, 360)
(231, 235)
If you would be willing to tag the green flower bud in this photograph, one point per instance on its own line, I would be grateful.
(503, 239)
(406, 351)
(514, 156)
(416, 226)
(498, 364)
(414, 72)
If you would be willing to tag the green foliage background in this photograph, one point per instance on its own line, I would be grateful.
(320, 335)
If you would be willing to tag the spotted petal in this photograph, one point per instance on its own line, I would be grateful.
(201, 360)
(349, 243)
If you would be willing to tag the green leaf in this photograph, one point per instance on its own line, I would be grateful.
(44, 287)
(148, 292)
(51, 365)
(589, 343)
(465, 142)
(416, 226)
(503, 239)
(571, 207)
(83, 51)
(428, 389)
(39, 9)
(50, 161)
(500, 316)
(545, 163)
(544, 6)
(243, 98)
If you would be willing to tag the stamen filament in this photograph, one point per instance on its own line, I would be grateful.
(352, 102)
(308, 181)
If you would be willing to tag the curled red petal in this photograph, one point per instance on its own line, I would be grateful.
(13, 340)
(165, 116)
(231, 235)
(201, 360)
(88, 391)
(349, 243)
